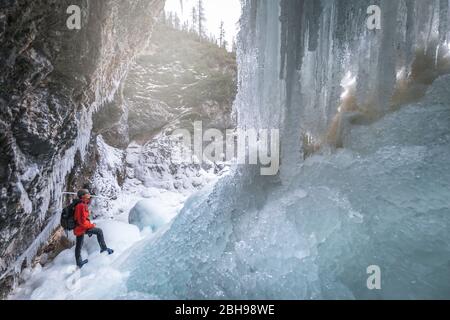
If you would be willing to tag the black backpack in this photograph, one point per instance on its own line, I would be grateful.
(68, 221)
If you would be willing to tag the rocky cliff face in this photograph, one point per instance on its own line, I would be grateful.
(52, 81)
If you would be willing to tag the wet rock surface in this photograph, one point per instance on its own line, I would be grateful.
(52, 80)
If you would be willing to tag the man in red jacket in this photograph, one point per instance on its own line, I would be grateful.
(84, 226)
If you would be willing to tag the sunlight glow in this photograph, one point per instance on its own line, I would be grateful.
(228, 11)
(347, 83)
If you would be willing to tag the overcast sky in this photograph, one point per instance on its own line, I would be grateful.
(215, 11)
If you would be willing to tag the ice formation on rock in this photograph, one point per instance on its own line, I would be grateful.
(53, 80)
(146, 214)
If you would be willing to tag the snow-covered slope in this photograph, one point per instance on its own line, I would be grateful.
(149, 172)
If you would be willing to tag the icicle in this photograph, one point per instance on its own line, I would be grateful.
(443, 20)
(319, 43)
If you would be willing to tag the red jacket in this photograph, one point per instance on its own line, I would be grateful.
(82, 219)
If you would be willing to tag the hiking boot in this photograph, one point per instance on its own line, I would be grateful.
(82, 263)
(110, 251)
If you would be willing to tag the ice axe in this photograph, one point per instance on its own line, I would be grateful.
(92, 196)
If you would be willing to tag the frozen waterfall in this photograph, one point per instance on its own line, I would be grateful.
(316, 71)
(364, 117)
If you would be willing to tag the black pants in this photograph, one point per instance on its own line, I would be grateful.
(101, 241)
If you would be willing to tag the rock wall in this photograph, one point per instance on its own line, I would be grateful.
(52, 81)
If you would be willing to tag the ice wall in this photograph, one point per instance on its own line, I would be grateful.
(383, 200)
(316, 45)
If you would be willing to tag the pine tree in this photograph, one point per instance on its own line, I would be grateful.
(169, 20)
(221, 34)
(185, 27)
(212, 38)
(176, 22)
(224, 44)
(201, 18)
(234, 46)
(194, 19)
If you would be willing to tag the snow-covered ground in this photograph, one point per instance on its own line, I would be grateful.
(61, 279)
(152, 180)
(155, 170)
